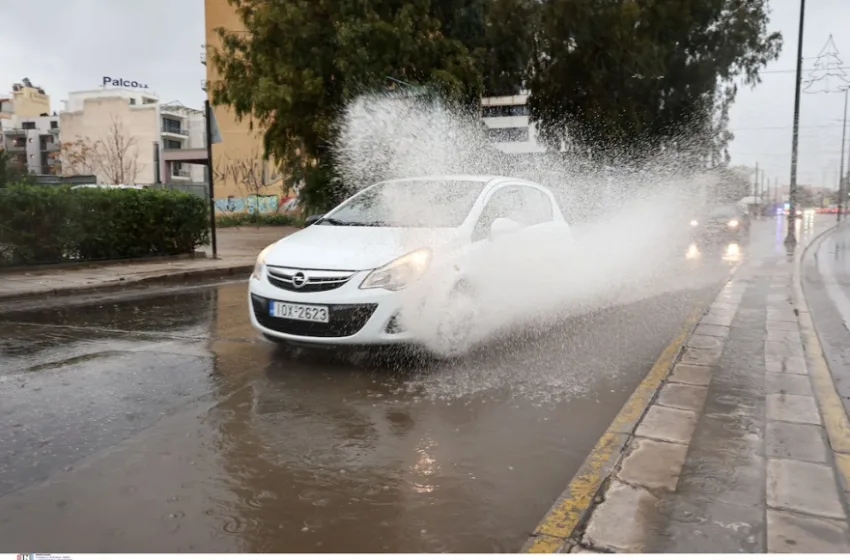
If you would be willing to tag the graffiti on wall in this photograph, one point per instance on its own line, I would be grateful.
(263, 204)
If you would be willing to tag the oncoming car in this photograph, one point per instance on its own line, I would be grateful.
(368, 270)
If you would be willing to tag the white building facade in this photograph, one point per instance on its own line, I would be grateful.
(508, 124)
(147, 127)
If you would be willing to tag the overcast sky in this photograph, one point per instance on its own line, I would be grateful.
(68, 45)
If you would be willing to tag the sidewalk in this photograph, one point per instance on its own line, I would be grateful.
(237, 252)
(745, 447)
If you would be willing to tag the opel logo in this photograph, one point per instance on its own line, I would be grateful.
(299, 279)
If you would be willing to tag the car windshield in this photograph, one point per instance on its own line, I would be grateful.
(724, 211)
(415, 204)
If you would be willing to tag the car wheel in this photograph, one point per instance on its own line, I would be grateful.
(453, 337)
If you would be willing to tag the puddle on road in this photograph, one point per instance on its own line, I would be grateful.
(315, 454)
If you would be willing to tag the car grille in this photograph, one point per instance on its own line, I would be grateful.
(314, 281)
(344, 319)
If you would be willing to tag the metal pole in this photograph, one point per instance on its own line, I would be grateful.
(210, 175)
(791, 238)
(841, 172)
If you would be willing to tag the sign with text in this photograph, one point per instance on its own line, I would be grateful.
(121, 82)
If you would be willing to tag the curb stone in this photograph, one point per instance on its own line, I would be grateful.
(123, 284)
(566, 521)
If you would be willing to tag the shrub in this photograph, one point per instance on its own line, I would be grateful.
(245, 219)
(45, 224)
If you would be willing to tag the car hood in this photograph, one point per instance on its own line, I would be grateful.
(353, 248)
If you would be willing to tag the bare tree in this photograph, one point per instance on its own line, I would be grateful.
(119, 160)
(80, 156)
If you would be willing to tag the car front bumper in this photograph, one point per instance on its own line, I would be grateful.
(355, 317)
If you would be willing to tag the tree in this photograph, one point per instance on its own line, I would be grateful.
(80, 156)
(631, 80)
(11, 173)
(300, 61)
(118, 154)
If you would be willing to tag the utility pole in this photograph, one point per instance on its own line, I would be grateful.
(756, 181)
(791, 238)
(841, 172)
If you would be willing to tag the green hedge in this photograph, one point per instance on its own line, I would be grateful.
(256, 219)
(47, 224)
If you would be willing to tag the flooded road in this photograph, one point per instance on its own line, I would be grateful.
(166, 424)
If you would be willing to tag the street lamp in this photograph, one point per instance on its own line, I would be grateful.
(791, 238)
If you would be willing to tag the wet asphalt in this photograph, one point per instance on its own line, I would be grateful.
(164, 423)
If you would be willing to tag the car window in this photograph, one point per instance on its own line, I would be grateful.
(537, 207)
(507, 202)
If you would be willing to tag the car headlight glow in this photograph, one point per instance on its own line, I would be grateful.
(694, 223)
(400, 273)
(733, 223)
(261, 262)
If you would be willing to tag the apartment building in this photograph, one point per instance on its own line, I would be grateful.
(28, 131)
(134, 124)
(240, 146)
(508, 124)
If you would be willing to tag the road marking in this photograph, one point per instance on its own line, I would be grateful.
(832, 409)
(572, 506)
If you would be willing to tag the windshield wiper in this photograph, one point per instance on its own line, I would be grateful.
(335, 222)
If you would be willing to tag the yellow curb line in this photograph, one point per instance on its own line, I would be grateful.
(561, 521)
(832, 409)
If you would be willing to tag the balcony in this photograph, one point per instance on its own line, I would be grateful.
(180, 174)
(14, 132)
(16, 147)
(175, 132)
(50, 147)
(204, 85)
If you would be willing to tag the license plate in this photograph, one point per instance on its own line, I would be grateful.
(298, 312)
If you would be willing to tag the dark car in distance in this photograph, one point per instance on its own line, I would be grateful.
(722, 223)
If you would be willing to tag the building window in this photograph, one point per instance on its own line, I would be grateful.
(172, 144)
(20, 142)
(28, 125)
(132, 101)
(148, 101)
(505, 111)
(518, 134)
(54, 124)
(171, 125)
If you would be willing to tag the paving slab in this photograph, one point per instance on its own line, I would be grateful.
(803, 487)
(789, 532)
(680, 395)
(653, 464)
(624, 521)
(788, 384)
(667, 424)
(793, 408)
(803, 442)
(691, 374)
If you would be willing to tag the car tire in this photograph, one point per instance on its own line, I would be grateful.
(453, 336)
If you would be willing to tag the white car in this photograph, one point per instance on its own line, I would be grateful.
(395, 256)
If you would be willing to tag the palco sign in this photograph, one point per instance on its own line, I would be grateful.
(121, 82)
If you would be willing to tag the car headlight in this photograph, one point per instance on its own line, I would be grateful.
(694, 223)
(733, 223)
(261, 262)
(400, 273)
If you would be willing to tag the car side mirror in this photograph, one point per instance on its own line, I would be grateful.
(313, 219)
(502, 227)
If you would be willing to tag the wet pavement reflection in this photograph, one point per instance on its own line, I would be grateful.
(166, 424)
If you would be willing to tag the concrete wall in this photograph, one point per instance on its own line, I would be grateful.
(93, 120)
